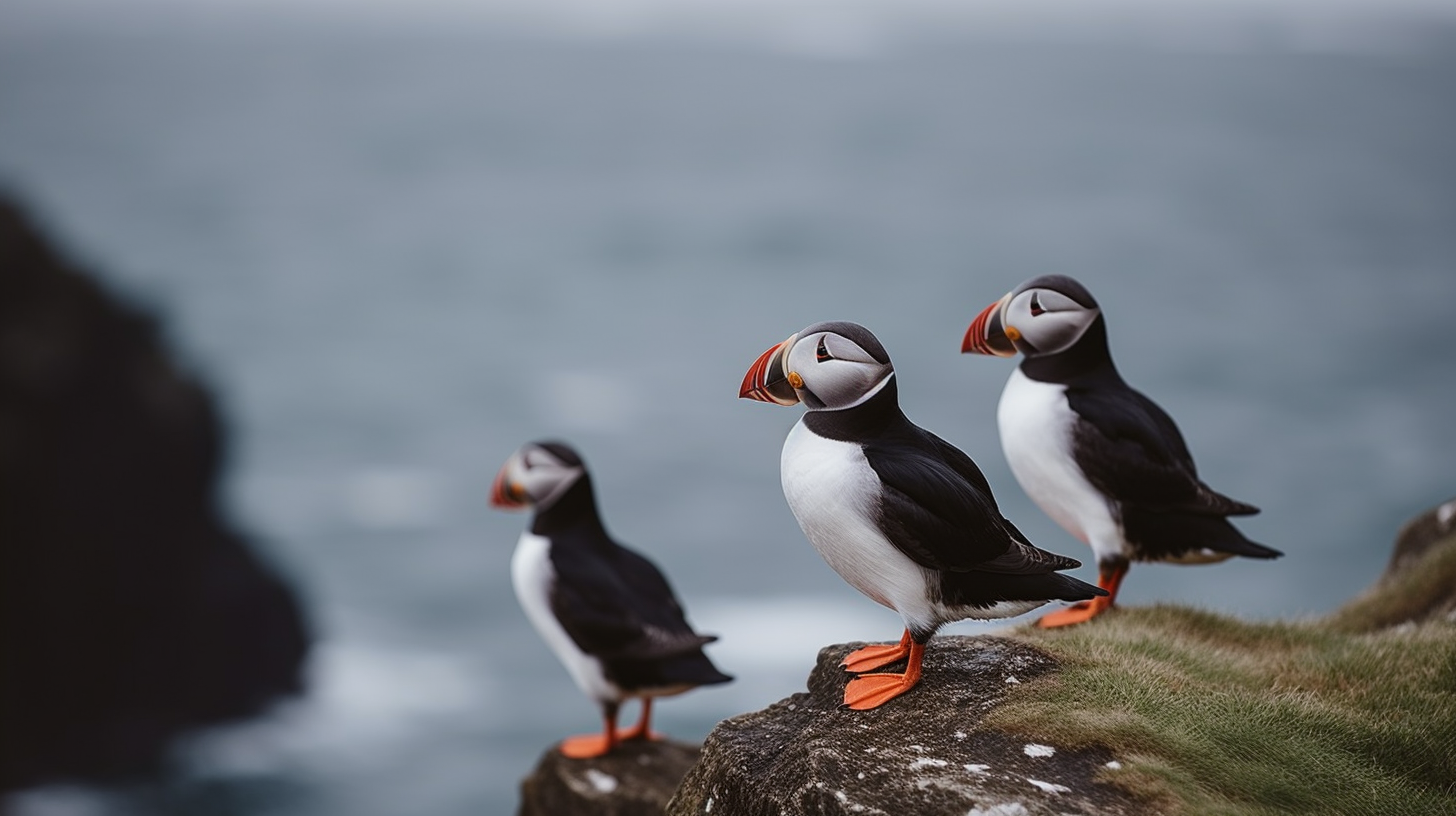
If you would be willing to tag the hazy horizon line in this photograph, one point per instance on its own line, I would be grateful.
(847, 28)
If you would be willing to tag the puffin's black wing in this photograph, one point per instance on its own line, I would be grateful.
(1023, 557)
(617, 604)
(936, 507)
(1130, 450)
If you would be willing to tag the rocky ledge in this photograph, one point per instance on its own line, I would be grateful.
(637, 779)
(809, 755)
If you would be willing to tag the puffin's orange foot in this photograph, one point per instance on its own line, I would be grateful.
(1077, 613)
(637, 732)
(586, 746)
(873, 657)
(874, 690)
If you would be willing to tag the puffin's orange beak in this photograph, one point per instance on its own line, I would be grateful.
(986, 334)
(504, 493)
(767, 380)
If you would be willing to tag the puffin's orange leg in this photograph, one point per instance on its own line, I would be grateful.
(643, 729)
(1110, 579)
(586, 746)
(873, 657)
(1076, 613)
(874, 690)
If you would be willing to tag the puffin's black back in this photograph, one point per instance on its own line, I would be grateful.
(615, 604)
(936, 506)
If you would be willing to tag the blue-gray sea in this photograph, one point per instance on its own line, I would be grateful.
(398, 250)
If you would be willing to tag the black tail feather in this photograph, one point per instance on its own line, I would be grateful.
(1158, 536)
(693, 669)
(985, 589)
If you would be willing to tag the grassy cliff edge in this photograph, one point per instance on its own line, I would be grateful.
(1353, 713)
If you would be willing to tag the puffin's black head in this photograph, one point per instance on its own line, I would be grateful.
(1044, 315)
(826, 366)
(536, 475)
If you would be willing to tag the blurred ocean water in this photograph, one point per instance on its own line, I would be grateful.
(398, 252)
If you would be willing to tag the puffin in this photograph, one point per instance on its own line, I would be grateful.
(902, 515)
(1102, 460)
(607, 612)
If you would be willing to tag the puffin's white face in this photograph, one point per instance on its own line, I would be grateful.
(827, 366)
(535, 476)
(1045, 315)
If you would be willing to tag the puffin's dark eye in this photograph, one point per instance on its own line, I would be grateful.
(821, 354)
(1036, 308)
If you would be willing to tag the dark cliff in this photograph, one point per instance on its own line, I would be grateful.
(130, 610)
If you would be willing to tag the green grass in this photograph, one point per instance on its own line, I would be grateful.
(1212, 715)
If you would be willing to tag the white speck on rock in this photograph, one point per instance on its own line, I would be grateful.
(960, 735)
(604, 783)
(871, 749)
(1003, 809)
(1049, 787)
(927, 762)
(978, 769)
(1115, 765)
(859, 775)
(1011, 678)
(920, 748)
(1445, 513)
(1038, 750)
(793, 706)
(708, 806)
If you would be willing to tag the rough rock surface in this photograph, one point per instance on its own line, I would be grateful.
(129, 610)
(1419, 582)
(1419, 535)
(635, 780)
(924, 753)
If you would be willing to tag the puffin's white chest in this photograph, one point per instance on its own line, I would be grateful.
(1036, 434)
(832, 490)
(532, 576)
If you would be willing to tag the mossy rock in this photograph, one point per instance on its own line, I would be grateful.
(1160, 709)
(1353, 713)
